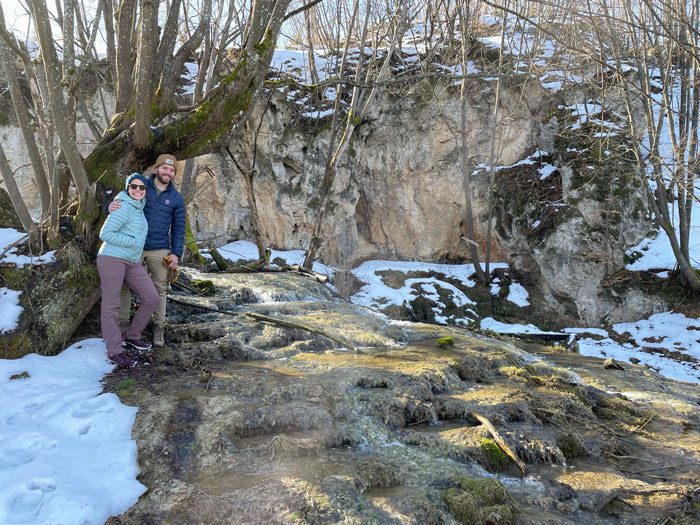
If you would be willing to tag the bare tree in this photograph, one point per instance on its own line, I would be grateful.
(370, 72)
(650, 50)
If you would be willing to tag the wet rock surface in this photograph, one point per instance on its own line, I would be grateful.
(243, 421)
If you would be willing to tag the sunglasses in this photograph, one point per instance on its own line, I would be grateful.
(139, 187)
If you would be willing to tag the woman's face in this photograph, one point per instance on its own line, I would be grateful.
(137, 189)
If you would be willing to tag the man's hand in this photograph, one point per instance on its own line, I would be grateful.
(114, 205)
(172, 261)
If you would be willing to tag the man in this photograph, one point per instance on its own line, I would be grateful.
(165, 214)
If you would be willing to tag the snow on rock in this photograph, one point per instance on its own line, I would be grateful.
(489, 323)
(10, 235)
(248, 251)
(10, 310)
(518, 294)
(66, 453)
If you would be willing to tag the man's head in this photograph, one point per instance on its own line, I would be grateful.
(165, 167)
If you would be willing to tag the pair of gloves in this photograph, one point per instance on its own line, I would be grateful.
(173, 273)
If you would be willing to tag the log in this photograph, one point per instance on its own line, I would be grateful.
(500, 441)
(301, 326)
(221, 263)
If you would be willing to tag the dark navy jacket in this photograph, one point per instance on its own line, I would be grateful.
(165, 214)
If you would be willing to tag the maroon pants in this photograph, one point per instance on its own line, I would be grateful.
(113, 273)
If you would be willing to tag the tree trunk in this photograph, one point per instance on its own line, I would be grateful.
(23, 119)
(125, 32)
(144, 72)
(58, 107)
(14, 193)
(248, 175)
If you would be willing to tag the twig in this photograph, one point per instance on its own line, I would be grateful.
(294, 324)
(644, 423)
(655, 469)
(12, 245)
(500, 441)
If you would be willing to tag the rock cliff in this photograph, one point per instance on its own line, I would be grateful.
(564, 208)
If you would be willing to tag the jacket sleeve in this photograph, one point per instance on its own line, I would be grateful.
(111, 230)
(177, 228)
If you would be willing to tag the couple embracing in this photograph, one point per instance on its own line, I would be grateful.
(146, 224)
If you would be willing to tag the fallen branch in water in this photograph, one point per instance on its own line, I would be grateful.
(201, 306)
(301, 326)
(500, 441)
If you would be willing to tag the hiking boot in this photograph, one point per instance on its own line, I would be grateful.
(122, 360)
(138, 344)
(158, 338)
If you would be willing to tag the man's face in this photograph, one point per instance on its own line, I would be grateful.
(165, 173)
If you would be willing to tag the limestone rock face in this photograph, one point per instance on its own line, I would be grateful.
(398, 192)
(16, 152)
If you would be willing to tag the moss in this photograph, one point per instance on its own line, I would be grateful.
(499, 514)
(205, 287)
(15, 345)
(463, 506)
(538, 374)
(22, 375)
(126, 384)
(571, 446)
(477, 501)
(446, 341)
(191, 244)
(373, 473)
(223, 114)
(495, 458)
(15, 278)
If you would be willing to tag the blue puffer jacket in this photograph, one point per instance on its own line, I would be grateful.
(125, 230)
(165, 214)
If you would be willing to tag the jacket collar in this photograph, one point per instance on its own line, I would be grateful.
(125, 197)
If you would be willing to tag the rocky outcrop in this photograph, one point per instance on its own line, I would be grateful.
(399, 188)
(399, 192)
(246, 422)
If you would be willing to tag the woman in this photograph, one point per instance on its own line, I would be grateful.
(119, 261)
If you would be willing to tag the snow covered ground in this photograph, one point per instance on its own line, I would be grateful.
(66, 453)
(9, 236)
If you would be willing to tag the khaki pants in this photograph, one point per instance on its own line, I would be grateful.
(159, 275)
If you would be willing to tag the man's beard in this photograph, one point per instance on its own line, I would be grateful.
(163, 178)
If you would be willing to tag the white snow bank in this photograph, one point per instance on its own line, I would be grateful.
(248, 251)
(376, 293)
(489, 323)
(10, 235)
(66, 453)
